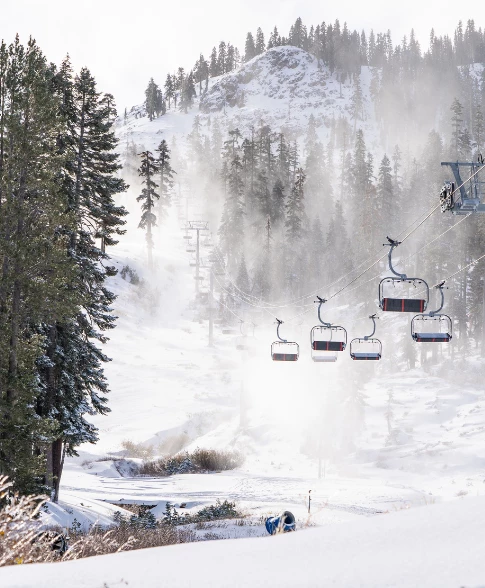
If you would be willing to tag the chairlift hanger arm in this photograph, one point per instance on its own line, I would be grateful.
(320, 302)
(439, 287)
(373, 317)
(392, 245)
(279, 323)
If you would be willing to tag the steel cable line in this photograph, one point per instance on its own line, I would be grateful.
(407, 235)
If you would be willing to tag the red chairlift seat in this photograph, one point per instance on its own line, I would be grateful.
(283, 350)
(326, 338)
(390, 303)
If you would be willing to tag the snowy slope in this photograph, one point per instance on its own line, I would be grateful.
(169, 387)
(430, 547)
(280, 88)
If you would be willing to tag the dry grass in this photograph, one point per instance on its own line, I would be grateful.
(137, 450)
(200, 460)
(21, 539)
(124, 538)
(24, 540)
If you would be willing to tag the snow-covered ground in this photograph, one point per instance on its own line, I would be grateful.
(435, 546)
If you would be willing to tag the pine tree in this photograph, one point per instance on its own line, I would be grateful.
(295, 209)
(169, 89)
(148, 169)
(166, 178)
(385, 206)
(231, 230)
(70, 371)
(35, 270)
(187, 92)
(274, 39)
(311, 134)
(278, 203)
(357, 103)
(242, 279)
(152, 99)
(456, 122)
(250, 48)
(213, 66)
(222, 58)
(478, 128)
(260, 46)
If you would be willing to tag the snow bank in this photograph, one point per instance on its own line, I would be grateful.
(437, 545)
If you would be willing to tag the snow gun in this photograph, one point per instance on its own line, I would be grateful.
(281, 524)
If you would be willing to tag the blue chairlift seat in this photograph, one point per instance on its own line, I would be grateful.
(432, 328)
(366, 348)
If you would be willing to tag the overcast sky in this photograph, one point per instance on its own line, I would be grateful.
(125, 43)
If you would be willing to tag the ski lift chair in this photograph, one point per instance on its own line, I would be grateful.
(229, 331)
(283, 350)
(432, 327)
(401, 304)
(366, 348)
(326, 339)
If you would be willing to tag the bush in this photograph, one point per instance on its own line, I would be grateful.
(214, 461)
(213, 512)
(200, 460)
(137, 450)
(128, 273)
(21, 538)
(125, 537)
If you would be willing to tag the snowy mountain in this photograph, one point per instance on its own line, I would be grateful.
(282, 87)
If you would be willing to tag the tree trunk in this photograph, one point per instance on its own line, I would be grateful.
(58, 451)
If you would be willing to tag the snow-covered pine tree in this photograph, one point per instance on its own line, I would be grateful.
(231, 230)
(260, 45)
(278, 203)
(384, 214)
(250, 48)
(166, 178)
(263, 276)
(222, 58)
(243, 282)
(35, 270)
(295, 214)
(456, 124)
(70, 371)
(152, 99)
(169, 89)
(148, 170)
(213, 66)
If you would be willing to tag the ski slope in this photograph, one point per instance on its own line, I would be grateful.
(431, 546)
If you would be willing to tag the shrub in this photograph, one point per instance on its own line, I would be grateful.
(200, 460)
(213, 460)
(137, 450)
(128, 273)
(21, 538)
(213, 512)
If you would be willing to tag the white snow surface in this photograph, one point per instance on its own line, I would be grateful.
(431, 546)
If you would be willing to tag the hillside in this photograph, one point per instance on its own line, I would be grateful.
(280, 88)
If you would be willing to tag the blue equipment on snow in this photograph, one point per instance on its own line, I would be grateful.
(282, 524)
